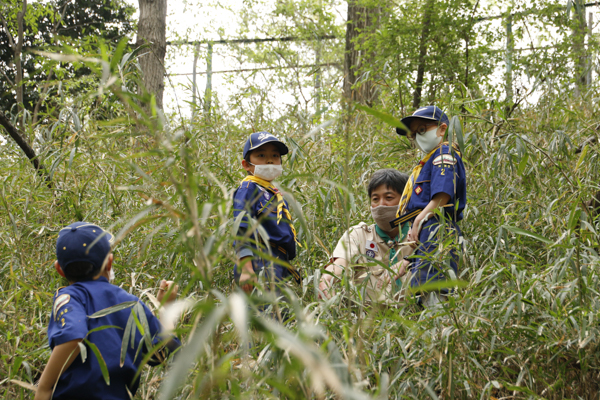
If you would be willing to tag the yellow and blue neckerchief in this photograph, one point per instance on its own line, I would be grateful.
(282, 208)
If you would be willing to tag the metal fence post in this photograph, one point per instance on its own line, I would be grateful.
(208, 91)
(590, 49)
(509, 54)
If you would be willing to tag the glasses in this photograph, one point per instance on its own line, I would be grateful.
(422, 129)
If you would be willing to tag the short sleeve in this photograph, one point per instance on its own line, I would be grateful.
(245, 199)
(348, 247)
(68, 320)
(444, 178)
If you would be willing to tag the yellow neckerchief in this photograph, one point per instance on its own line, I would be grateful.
(408, 189)
(281, 207)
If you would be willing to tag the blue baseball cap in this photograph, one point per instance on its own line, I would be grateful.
(257, 139)
(431, 113)
(83, 242)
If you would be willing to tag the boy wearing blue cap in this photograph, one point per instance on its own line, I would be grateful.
(84, 257)
(264, 205)
(438, 182)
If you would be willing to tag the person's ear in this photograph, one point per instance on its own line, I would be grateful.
(59, 269)
(109, 262)
(247, 166)
(442, 130)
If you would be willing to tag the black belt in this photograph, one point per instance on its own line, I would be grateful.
(406, 217)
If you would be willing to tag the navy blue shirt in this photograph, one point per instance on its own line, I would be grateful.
(261, 204)
(444, 172)
(70, 320)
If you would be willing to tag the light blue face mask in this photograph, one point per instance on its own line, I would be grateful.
(428, 141)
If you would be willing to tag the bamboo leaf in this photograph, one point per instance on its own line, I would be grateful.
(113, 309)
(523, 232)
(455, 131)
(582, 157)
(190, 353)
(129, 330)
(101, 361)
(387, 118)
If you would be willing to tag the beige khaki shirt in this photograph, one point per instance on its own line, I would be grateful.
(361, 241)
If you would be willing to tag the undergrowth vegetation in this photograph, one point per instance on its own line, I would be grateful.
(524, 325)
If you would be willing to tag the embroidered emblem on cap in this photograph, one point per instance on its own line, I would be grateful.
(265, 135)
(418, 190)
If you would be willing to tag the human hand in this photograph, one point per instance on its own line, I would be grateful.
(168, 288)
(324, 287)
(413, 234)
(247, 281)
(402, 268)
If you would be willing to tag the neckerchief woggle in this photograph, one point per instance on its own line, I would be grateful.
(386, 238)
(281, 206)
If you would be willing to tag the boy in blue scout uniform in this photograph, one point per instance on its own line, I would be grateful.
(263, 204)
(437, 182)
(84, 257)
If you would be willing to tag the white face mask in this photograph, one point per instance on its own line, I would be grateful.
(428, 141)
(111, 275)
(268, 172)
(383, 215)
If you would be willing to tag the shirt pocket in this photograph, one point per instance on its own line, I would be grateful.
(265, 206)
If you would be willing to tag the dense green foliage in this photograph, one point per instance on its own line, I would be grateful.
(52, 25)
(523, 324)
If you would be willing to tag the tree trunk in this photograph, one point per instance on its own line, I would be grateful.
(361, 21)
(27, 149)
(579, 52)
(427, 13)
(152, 28)
(18, 50)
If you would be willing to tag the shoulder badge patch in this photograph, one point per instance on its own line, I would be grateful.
(446, 159)
(59, 302)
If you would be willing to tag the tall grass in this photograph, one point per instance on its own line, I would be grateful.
(524, 326)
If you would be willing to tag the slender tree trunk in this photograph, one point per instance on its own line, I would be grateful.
(27, 149)
(579, 53)
(18, 50)
(361, 21)
(427, 13)
(152, 28)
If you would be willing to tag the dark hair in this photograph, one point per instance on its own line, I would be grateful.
(391, 178)
(79, 271)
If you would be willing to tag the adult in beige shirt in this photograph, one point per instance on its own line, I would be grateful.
(368, 249)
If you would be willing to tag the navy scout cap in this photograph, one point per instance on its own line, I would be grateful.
(431, 113)
(257, 139)
(84, 242)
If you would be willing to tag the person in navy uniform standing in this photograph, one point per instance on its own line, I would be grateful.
(433, 199)
(263, 204)
(84, 257)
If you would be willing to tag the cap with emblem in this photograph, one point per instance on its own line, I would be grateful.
(257, 139)
(83, 242)
(431, 113)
